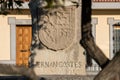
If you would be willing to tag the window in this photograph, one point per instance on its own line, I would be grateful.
(116, 39)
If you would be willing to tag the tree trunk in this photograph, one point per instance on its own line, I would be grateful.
(87, 40)
(112, 70)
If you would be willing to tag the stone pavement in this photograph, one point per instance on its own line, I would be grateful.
(52, 77)
(63, 77)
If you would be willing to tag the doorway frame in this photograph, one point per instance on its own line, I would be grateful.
(13, 22)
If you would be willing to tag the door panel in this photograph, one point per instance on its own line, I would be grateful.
(23, 41)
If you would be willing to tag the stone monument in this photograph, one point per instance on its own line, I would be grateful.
(59, 33)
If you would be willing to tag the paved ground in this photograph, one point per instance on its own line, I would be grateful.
(55, 77)
(67, 77)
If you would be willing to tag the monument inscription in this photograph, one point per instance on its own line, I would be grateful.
(60, 64)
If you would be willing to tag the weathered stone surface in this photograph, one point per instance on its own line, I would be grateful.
(58, 30)
(59, 33)
(64, 62)
(66, 77)
(53, 77)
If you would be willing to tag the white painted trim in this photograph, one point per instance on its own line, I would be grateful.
(105, 5)
(94, 23)
(95, 5)
(7, 62)
(110, 22)
(11, 21)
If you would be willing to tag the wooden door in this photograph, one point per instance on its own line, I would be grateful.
(23, 42)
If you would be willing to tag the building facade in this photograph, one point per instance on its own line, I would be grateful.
(106, 13)
(106, 29)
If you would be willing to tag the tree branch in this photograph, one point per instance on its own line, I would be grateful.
(18, 70)
(87, 40)
(112, 70)
(90, 46)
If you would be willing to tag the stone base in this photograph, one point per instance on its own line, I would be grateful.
(52, 77)
(68, 77)
(64, 62)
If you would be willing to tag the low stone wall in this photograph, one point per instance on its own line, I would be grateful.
(68, 77)
(53, 77)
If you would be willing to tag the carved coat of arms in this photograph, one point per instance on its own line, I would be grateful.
(58, 29)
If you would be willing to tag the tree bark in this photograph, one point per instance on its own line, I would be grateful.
(90, 46)
(112, 70)
(87, 40)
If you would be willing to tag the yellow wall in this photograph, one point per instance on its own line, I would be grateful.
(102, 31)
(5, 35)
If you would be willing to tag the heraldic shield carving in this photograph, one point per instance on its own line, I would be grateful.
(58, 28)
